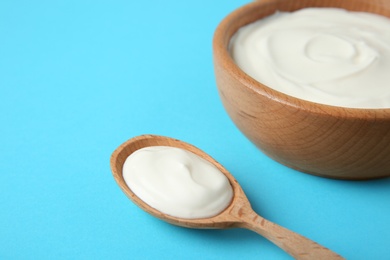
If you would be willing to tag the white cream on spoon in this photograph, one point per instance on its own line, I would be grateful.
(177, 182)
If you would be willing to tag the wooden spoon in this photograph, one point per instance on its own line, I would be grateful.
(238, 214)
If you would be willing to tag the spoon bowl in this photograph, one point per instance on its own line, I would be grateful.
(238, 214)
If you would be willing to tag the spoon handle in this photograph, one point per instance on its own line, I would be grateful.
(296, 245)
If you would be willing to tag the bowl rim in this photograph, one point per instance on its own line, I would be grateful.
(222, 56)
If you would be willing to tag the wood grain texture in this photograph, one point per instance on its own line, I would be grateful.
(335, 142)
(238, 214)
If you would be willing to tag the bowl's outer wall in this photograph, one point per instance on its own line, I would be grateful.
(318, 139)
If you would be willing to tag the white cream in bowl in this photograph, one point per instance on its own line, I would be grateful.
(324, 55)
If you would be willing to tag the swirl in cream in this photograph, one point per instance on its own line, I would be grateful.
(324, 55)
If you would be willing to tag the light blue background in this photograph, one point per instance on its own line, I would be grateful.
(78, 78)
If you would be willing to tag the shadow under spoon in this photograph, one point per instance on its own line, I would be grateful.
(239, 214)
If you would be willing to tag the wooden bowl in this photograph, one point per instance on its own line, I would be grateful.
(329, 141)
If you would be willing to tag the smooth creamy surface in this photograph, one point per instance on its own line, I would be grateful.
(325, 55)
(177, 182)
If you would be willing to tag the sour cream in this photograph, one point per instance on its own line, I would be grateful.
(324, 55)
(177, 182)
